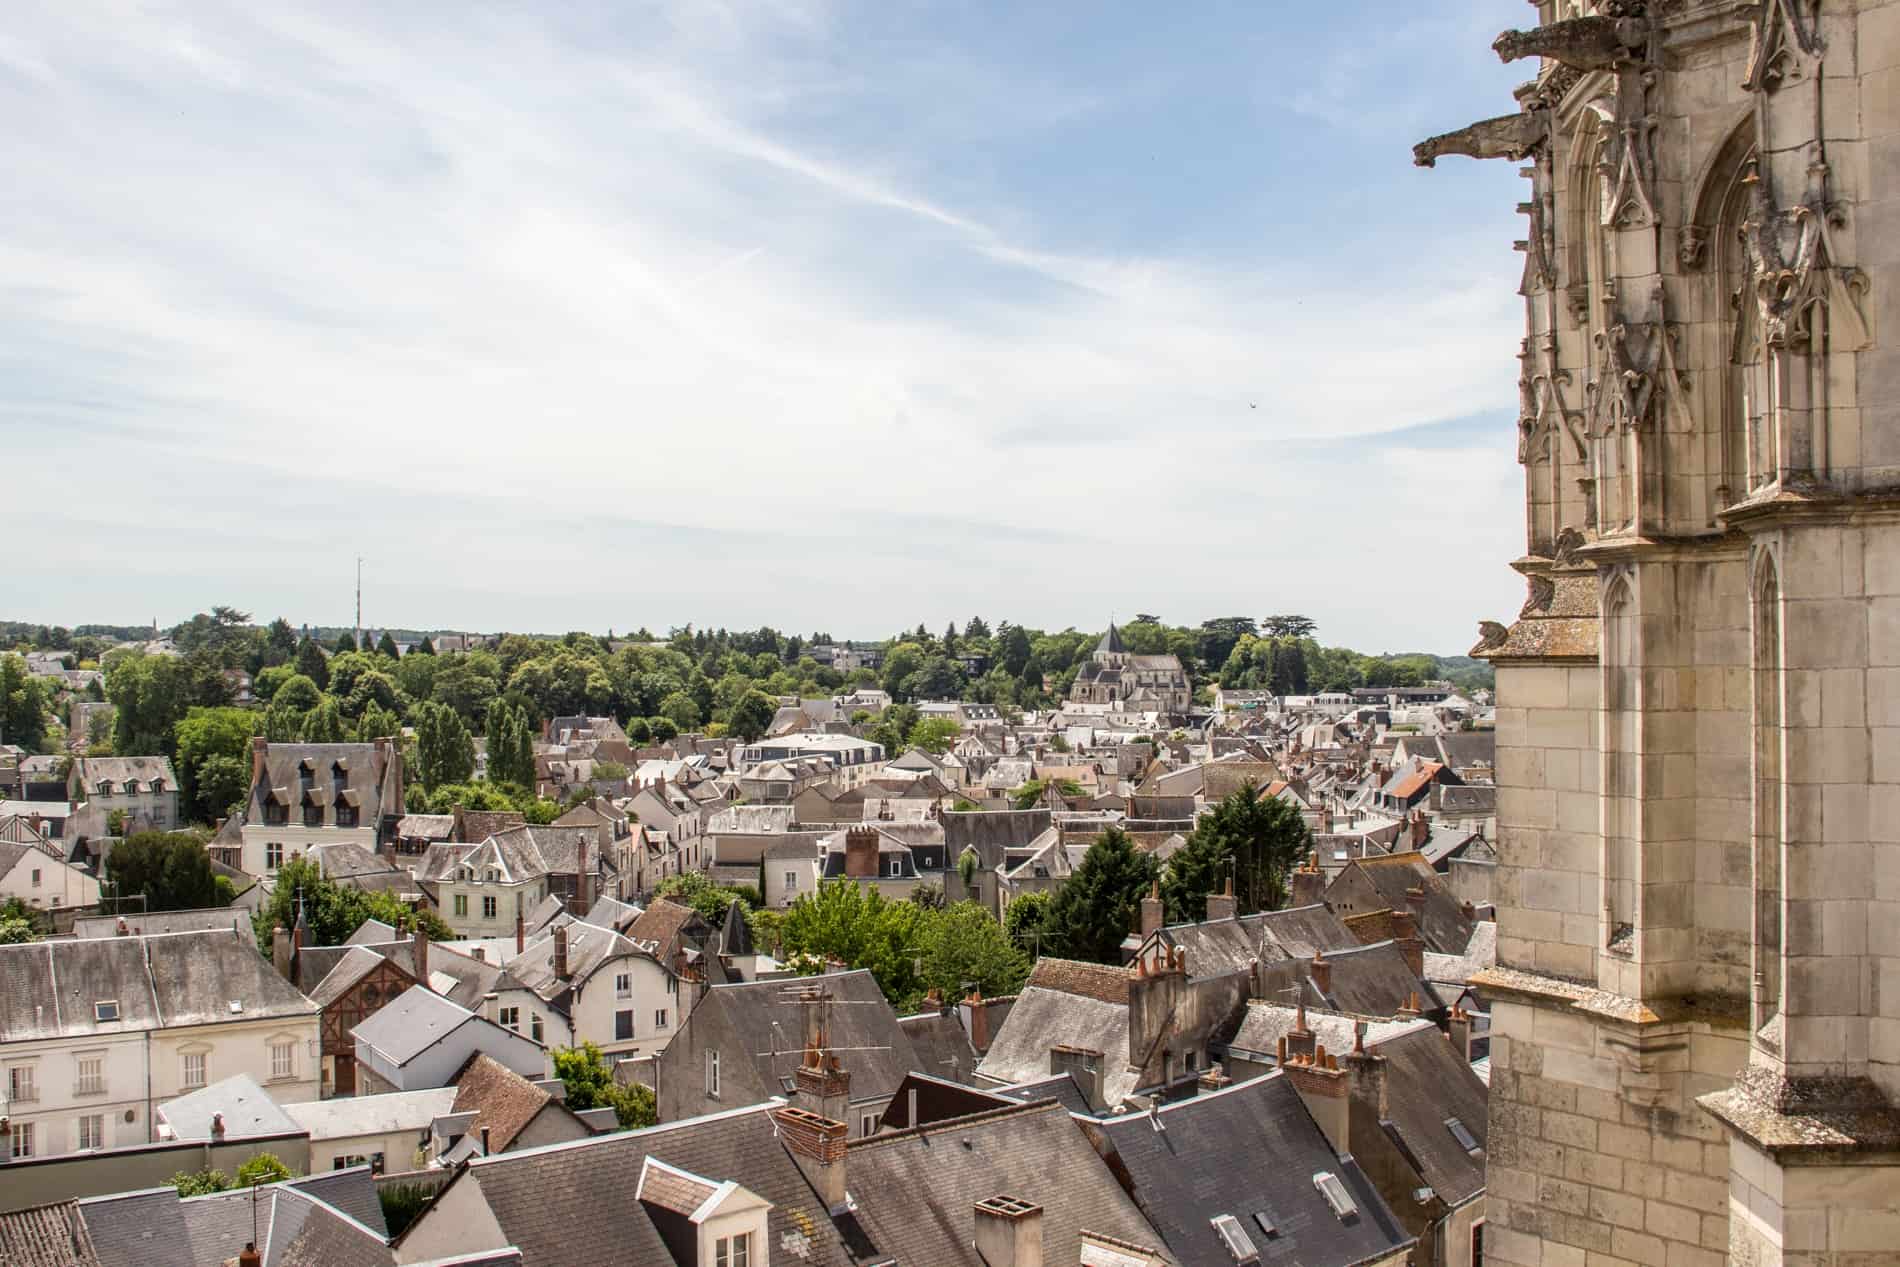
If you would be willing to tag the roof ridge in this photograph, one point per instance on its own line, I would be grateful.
(1050, 1105)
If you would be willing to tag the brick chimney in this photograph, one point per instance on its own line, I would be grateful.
(1321, 971)
(976, 1021)
(1325, 1089)
(823, 1086)
(1151, 909)
(1222, 905)
(521, 933)
(1309, 883)
(1460, 1032)
(580, 881)
(1008, 1232)
(1082, 1064)
(280, 956)
(1410, 1012)
(420, 941)
(1405, 936)
(560, 951)
(1297, 1042)
(249, 1257)
(817, 1146)
(259, 746)
(1368, 1077)
(860, 852)
(1421, 829)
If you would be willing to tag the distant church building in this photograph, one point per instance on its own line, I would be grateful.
(1696, 1024)
(1138, 683)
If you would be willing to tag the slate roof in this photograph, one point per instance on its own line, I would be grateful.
(91, 771)
(1266, 1023)
(209, 919)
(46, 1236)
(247, 1110)
(1248, 1149)
(941, 1046)
(1427, 1082)
(1375, 981)
(332, 1219)
(588, 947)
(876, 1050)
(1442, 923)
(1044, 1018)
(1059, 1087)
(370, 776)
(1481, 952)
(387, 1113)
(48, 989)
(570, 1205)
(917, 1189)
(409, 1025)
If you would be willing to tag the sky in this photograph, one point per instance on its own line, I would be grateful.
(829, 316)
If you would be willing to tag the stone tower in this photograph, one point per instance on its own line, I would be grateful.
(1697, 998)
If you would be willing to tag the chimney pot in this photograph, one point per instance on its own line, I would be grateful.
(560, 951)
(1009, 1232)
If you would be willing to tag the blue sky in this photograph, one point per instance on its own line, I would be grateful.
(838, 316)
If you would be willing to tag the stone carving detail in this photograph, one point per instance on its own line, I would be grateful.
(1623, 394)
(1491, 635)
(1564, 553)
(1778, 32)
(1542, 590)
(1631, 201)
(1796, 289)
(1511, 136)
(1591, 43)
(1692, 246)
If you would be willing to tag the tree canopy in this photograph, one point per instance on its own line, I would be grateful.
(1101, 903)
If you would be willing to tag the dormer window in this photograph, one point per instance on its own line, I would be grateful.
(158, 786)
(105, 787)
(307, 773)
(1344, 1207)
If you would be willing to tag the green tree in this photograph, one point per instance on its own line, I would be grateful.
(697, 890)
(1287, 626)
(1101, 903)
(171, 869)
(205, 733)
(1254, 838)
(861, 929)
(332, 911)
(345, 641)
(200, 1183)
(963, 945)
(18, 923)
(386, 645)
(223, 783)
(443, 745)
(1016, 650)
(1024, 921)
(312, 663)
(378, 722)
(590, 1085)
(150, 695)
(23, 701)
(324, 723)
(510, 746)
(682, 710)
(662, 729)
(261, 1169)
(751, 716)
(934, 734)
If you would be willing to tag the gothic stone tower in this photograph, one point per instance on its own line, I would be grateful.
(1697, 998)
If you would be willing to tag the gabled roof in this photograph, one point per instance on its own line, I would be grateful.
(572, 1205)
(770, 1025)
(1246, 1150)
(46, 1236)
(1442, 922)
(502, 1100)
(245, 1108)
(662, 925)
(1096, 981)
(1266, 1023)
(1043, 1018)
(1426, 1083)
(410, 1024)
(941, 1045)
(917, 1189)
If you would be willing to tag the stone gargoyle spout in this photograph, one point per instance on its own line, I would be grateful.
(1593, 43)
(1509, 136)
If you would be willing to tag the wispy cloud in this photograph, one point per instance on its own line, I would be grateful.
(662, 262)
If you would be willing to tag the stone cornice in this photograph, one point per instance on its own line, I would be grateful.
(1791, 504)
(1632, 1016)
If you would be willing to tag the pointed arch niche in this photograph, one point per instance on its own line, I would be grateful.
(1621, 766)
(1725, 219)
(1769, 818)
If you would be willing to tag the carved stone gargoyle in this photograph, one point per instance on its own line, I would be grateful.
(1511, 136)
(1593, 43)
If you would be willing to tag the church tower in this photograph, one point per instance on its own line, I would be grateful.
(1696, 1017)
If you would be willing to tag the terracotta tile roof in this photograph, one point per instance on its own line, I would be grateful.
(662, 923)
(46, 1236)
(1073, 976)
(1370, 927)
(503, 1101)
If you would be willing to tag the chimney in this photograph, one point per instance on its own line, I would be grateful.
(823, 1086)
(486, 1150)
(280, 957)
(817, 1146)
(580, 881)
(1222, 905)
(1411, 1009)
(521, 933)
(1322, 973)
(560, 951)
(976, 1021)
(217, 1128)
(249, 1257)
(420, 943)
(1405, 936)
(1460, 1032)
(1084, 1066)
(1008, 1232)
(1309, 883)
(1415, 899)
(860, 852)
(1368, 1077)
(1151, 911)
(1155, 1008)
(122, 930)
(1325, 1089)
(1421, 830)
(1298, 1042)
(259, 746)
(491, 1007)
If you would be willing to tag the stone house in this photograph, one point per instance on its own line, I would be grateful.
(306, 794)
(37, 875)
(144, 789)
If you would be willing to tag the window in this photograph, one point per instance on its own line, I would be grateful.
(92, 1131)
(461, 905)
(273, 855)
(1344, 1207)
(867, 1124)
(1477, 1244)
(36, 877)
(313, 816)
(672, 984)
(623, 1026)
(92, 1076)
(22, 1140)
(623, 985)
(22, 1086)
(105, 787)
(347, 815)
(659, 1018)
(276, 814)
(791, 881)
(283, 1060)
(534, 1026)
(712, 1074)
(510, 1018)
(1462, 1133)
(733, 1251)
(488, 906)
(192, 1070)
(1234, 1237)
